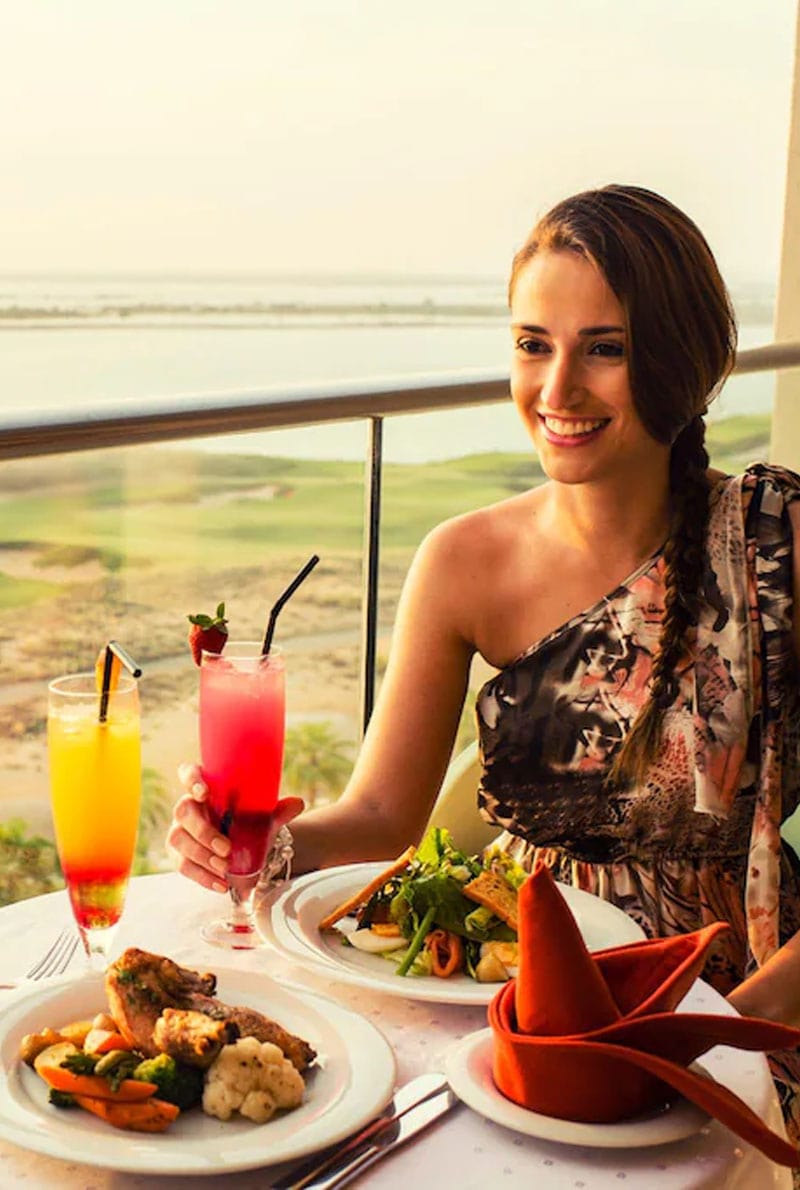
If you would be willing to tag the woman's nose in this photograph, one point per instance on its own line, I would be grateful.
(560, 387)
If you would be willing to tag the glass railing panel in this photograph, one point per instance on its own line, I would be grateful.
(439, 465)
(125, 544)
(739, 419)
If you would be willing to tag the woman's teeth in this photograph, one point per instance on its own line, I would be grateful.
(571, 429)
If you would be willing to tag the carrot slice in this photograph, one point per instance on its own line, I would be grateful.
(153, 1116)
(95, 1086)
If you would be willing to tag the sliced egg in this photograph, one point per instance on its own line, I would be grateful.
(376, 943)
(506, 952)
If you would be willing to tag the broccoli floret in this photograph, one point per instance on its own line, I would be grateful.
(60, 1098)
(177, 1082)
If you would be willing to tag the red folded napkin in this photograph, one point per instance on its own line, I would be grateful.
(596, 1037)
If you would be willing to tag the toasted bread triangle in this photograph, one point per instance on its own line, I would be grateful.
(495, 893)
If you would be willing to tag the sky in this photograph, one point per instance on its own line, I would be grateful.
(367, 136)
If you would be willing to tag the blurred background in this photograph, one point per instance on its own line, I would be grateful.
(203, 197)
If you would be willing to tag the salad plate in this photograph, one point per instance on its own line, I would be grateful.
(468, 1066)
(290, 922)
(351, 1082)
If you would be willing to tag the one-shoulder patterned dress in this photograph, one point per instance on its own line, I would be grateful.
(700, 842)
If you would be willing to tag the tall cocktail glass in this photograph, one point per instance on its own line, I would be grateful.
(242, 723)
(95, 792)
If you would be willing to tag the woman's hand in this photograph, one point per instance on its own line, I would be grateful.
(199, 850)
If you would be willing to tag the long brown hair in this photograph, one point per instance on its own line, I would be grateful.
(681, 348)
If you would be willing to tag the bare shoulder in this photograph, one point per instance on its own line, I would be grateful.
(456, 570)
(484, 533)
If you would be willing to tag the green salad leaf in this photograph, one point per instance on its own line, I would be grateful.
(429, 894)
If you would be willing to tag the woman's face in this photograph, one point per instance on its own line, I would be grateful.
(569, 374)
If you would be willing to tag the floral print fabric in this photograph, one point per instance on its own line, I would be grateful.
(701, 841)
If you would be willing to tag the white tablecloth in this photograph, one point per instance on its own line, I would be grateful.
(164, 914)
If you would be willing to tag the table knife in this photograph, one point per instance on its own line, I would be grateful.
(415, 1106)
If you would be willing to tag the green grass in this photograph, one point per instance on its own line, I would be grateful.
(736, 441)
(22, 592)
(145, 507)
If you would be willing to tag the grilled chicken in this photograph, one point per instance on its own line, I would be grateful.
(192, 1037)
(250, 1023)
(140, 986)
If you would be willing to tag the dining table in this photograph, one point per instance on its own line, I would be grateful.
(164, 914)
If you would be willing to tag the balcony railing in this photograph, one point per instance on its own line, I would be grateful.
(44, 432)
(197, 415)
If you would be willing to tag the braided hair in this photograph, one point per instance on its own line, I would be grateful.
(682, 345)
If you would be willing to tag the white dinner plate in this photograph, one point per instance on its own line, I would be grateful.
(351, 1082)
(290, 922)
(468, 1066)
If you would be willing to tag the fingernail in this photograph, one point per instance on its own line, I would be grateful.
(217, 887)
(198, 789)
(219, 865)
(221, 846)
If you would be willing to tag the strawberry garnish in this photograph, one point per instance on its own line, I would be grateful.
(208, 632)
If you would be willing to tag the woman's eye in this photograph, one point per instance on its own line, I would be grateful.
(531, 346)
(612, 350)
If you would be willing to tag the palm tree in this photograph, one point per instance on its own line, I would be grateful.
(317, 761)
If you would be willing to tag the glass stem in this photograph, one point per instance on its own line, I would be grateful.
(96, 944)
(243, 891)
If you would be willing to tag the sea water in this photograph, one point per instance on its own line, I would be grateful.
(67, 342)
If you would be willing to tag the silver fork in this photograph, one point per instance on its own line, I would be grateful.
(55, 959)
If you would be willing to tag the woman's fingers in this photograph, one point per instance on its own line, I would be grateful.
(200, 852)
(199, 849)
(191, 778)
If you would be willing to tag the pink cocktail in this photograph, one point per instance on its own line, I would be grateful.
(242, 723)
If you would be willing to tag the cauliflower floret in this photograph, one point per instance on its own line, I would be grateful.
(253, 1078)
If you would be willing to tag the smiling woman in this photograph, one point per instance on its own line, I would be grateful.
(570, 376)
(643, 337)
(641, 734)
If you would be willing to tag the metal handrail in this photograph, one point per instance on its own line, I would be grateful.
(162, 419)
(47, 432)
(198, 415)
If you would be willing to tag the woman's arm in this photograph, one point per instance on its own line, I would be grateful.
(406, 750)
(407, 747)
(774, 990)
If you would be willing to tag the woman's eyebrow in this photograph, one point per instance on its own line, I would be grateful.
(587, 330)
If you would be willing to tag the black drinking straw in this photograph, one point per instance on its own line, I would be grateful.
(290, 590)
(114, 649)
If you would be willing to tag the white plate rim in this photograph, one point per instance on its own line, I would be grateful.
(676, 1122)
(358, 1087)
(278, 922)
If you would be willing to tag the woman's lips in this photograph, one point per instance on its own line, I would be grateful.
(572, 431)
